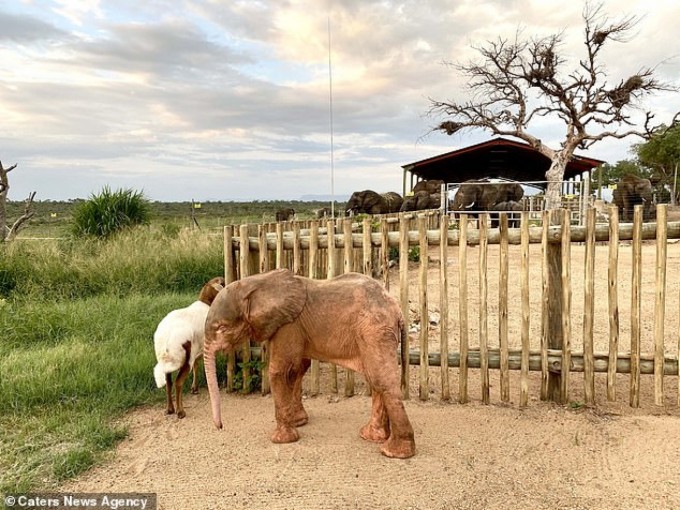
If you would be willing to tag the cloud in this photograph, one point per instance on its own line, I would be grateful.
(232, 100)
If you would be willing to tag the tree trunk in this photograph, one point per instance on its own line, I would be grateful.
(553, 203)
(555, 176)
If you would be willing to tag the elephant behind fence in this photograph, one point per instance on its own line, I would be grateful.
(631, 191)
(372, 202)
(482, 195)
(286, 214)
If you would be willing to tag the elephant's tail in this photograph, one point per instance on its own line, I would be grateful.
(403, 343)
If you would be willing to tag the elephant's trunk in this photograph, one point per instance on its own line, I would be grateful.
(213, 387)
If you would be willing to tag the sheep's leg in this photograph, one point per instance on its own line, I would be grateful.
(181, 376)
(194, 384)
(169, 408)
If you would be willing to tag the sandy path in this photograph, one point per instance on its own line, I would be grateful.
(468, 456)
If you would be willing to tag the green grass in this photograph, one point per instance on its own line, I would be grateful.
(69, 370)
(55, 219)
(77, 319)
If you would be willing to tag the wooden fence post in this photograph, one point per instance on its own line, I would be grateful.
(444, 304)
(313, 260)
(553, 256)
(424, 317)
(659, 303)
(403, 295)
(463, 309)
(613, 296)
(244, 262)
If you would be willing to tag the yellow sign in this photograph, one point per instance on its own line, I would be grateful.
(53, 215)
(197, 206)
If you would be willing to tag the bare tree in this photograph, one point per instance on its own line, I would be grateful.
(518, 81)
(9, 233)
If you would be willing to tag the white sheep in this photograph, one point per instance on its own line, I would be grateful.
(178, 341)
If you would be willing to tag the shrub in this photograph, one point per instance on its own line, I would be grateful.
(109, 212)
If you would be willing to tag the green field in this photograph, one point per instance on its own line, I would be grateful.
(52, 218)
(77, 318)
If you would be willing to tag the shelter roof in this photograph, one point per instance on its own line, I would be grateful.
(499, 157)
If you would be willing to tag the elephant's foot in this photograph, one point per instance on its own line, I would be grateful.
(372, 433)
(300, 418)
(285, 434)
(399, 448)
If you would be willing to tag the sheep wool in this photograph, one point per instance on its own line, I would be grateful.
(173, 332)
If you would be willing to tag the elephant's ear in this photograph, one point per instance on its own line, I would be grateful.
(271, 300)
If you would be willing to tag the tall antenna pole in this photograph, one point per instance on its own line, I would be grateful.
(330, 102)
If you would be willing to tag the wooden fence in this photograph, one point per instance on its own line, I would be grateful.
(514, 332)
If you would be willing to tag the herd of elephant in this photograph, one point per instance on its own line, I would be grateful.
(473, 195)
(478, 195)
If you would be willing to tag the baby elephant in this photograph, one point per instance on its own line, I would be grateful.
(350, 321)
(178, 342)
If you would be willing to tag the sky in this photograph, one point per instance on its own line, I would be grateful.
(242, 100)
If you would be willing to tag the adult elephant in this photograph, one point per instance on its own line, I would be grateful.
(482, 195)
(371, 202)
(350, 321)
(420, 201)
(286, 214)
(431, 186)
(631, 191)
(510, 206)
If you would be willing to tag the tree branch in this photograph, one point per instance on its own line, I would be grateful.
(27, 215)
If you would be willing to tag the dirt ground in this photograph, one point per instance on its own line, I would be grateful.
(469, 456)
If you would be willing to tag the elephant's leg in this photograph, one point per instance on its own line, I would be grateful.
(181, 376)
(378, 427)
(383, 373)
(401, 443)
(169, 407)
(285, 405)
(300, 416)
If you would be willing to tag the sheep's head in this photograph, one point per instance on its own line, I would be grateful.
(211, 289)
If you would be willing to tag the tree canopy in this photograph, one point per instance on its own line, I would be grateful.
(518, 81)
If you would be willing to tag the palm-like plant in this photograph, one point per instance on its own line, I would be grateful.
(110, 211)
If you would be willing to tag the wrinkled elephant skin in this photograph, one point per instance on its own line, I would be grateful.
(350, 321)
(477, 195)
(631, 191)
(371, 202)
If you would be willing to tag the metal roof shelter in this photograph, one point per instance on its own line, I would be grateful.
(500, 158)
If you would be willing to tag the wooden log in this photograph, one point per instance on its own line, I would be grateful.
(577, 233)
(503, 308)
(444, 307)
(636, 309)
(403, 298)
(613, 282)
(424, 387)
(565, 285)
(526, 312)
(589, 309)
(600, 365)
(660, 302)
(483, 308)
